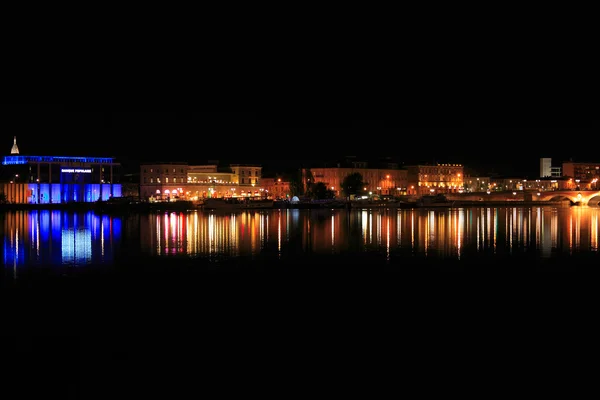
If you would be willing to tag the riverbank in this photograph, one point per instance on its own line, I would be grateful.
(104, 207)
(107, 207)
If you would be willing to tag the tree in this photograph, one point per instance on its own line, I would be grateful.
(320, 191)
(309, 179)
(296, 184)
(353, 184)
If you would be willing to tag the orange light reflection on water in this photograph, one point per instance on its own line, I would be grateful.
(447, 232)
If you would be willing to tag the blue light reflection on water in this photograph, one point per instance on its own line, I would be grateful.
(45, 237)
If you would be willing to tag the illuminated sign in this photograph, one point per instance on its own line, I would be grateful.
(76, 170)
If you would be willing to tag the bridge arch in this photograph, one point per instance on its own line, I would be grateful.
(562, 197)
(594, 201)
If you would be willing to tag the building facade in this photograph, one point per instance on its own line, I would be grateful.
(384, 182)
(547, 170)
(477, 184)
(582, 171)
(435, 179)
(545, 167)
(26, 179)
(276, 188)
(168, 181)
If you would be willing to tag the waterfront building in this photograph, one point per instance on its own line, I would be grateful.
(540, 184)
(477, 184)
(29, 179)
(581, 170)
(168, 181)
(508, 183)
(550, 183)
(276, 188)
(380, 181)
(434, 179)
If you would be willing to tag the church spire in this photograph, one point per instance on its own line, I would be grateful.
(15, 149)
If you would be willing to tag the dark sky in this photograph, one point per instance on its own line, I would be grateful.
(283, 139)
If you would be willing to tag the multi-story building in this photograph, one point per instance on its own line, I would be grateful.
(57, 179)
(477, 184)
(581, 170)
(276, 188)
(247, 173)
(545, 167)
(508, 183)
(541, 184)
(434, 179)
(381, 181)
(547, 170)
(178, 180)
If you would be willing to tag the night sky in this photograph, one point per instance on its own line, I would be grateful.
(281, 140)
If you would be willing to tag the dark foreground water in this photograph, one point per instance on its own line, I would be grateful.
(280, 302)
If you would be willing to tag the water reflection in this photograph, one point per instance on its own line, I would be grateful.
(55, 237)
(439, 233)
(58, 238)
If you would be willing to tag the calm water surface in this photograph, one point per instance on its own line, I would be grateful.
(58, 238)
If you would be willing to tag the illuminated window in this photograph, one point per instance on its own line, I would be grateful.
(151, 180)
(174, 180)
(167, 180)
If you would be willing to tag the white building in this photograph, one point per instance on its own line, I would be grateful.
(545, 167)
(547, 170)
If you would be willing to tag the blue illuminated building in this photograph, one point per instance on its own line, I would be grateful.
(57, 179)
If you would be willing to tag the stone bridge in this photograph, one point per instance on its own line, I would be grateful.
(582, 197)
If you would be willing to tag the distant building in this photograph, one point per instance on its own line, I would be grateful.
(56, 179)
(547, 170)
(276, 188)
(381, 181)
(555, 172)
(477, 184)
(434, 179)
(545, 167)
(178, 180)
(581, 170)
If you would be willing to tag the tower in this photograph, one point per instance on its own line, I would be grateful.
(545, 167)
(15, 148)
